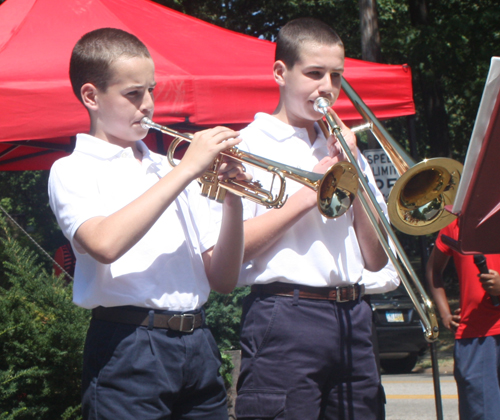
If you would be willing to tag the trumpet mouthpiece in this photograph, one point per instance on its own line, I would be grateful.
(321, 103)
(146, 123)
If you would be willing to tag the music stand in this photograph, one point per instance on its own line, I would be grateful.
(477, 203)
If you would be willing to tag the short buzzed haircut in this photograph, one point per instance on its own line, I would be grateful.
(94, 53)
(295, 33)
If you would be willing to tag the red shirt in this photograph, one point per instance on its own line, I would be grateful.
(479, 318)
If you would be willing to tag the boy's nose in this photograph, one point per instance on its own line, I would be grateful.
(148, 101)
(326, 84)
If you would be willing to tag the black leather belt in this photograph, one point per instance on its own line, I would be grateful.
(178, 322)
(337, 294)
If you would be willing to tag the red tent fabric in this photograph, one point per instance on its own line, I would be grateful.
(206, 75)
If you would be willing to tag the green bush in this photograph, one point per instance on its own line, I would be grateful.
(223, 316)
(41, 338)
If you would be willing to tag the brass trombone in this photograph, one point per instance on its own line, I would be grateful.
(426, 309)
(417, 201)
(335, 189)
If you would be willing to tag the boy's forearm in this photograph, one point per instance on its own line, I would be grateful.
(439, 296)
(434, 276)
(373, 252)
(223, 262)
(438, 293)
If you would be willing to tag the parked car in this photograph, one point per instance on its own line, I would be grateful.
(400, 334)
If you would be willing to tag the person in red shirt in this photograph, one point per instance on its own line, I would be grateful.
(476, 324)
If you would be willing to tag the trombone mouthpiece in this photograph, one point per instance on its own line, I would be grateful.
(321, 103)
(146, 123)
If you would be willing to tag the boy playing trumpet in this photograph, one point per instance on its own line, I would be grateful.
(146, 254)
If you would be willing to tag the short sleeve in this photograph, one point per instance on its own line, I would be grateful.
(73, 196)
(452, 231)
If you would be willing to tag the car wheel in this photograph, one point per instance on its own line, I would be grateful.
(404, 365)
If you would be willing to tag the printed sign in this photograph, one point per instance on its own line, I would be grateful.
(383, 170)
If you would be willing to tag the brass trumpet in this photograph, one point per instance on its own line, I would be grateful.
(335, 189)
(426, 309)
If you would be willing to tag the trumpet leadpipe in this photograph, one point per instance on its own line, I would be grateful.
(336, 189)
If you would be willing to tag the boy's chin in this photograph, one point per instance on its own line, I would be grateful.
(138, 134)
(314, 116)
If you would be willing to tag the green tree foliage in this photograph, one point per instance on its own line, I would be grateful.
(23, 194)
(264, 18)
(223, 316)
(448, 45)
(448, 48)
(41, 338)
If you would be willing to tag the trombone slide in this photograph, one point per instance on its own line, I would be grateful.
(426, 310)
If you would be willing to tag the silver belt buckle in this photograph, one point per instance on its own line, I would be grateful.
(345, 289)
(183, 317)
(187, 316)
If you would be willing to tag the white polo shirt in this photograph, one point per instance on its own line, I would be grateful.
(164, 270)
(315, 251)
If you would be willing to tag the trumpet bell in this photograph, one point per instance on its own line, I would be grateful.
(417, 201)
(337, 190)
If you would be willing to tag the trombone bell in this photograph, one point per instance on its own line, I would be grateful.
(415, 206)
(417, 201)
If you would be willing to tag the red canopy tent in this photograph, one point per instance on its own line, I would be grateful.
(206, 75)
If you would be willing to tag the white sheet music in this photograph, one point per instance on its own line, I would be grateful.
(488, 100)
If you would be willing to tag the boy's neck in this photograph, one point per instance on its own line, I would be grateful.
(281, 114)
(121, 143)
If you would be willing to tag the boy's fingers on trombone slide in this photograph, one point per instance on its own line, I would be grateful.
(346, 133)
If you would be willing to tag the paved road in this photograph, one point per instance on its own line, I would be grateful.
(411, 397)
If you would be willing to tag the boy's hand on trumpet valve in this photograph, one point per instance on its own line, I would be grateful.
(205, 146)
(232, 169)
(333, 145)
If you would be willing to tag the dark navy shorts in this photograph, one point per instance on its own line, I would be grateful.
(131, 372)
(307, 359)
(477, 372)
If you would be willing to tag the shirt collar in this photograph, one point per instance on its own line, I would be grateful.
(100, 149)
(103, 150)
(281, 131)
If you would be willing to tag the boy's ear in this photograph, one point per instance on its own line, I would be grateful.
(89, 93)
(279, 70)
